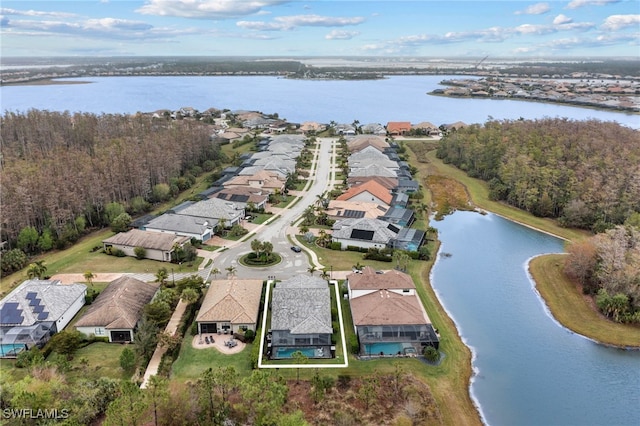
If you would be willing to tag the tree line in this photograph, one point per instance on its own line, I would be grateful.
(584, 173)
(62, 173)
(608, 267)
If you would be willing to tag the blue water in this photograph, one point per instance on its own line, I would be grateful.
(10, 349)
(287, 352)
(388, 348)
(529, 370)
(369, 101)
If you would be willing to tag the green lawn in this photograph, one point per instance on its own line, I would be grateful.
(97, 360)
(572, 309)
(192, 362)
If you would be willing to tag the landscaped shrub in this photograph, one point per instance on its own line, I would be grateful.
(249, 335)
(335, 245)
(354, 346)
(431, 354)
(140, 252)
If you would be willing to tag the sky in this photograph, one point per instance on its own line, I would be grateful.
(356, 28)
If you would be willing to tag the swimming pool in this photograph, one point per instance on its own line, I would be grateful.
(387, 348)
(288, 352)
(11, 349)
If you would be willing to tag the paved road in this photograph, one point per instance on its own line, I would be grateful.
(278, 231)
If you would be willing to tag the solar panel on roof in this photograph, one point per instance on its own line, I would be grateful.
(43, 316)
(393, 228)
(38, 309)
(11, 313)
(31, 295)
(239, 198)
(34, 302)
(381, 208)
(353, 214)
(361, 234)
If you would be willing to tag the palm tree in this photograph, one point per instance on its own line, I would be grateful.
(162, 275)
(256, 247)
(89, 276)
(311, 269)
(267, 249)
(324, 275)
(37, 269)
(215, 272)
(231, 270)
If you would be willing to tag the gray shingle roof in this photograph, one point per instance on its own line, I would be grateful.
(344, 229)
(148, 240)
(302, 305)
(182, 223)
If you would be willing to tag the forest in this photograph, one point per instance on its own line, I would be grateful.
(63, 173)
(584, 173)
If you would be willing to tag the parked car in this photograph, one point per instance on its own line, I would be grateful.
(296, 249)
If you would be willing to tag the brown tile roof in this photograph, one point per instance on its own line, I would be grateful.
(387, 308)
(373, 187)
(337, 209)
(146, 239)
(369, 280)
(388, 182)
(235, 301)
(360, 142)
(398, 127)
(120, 305)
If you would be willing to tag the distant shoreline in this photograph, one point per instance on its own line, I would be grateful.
(43, 82)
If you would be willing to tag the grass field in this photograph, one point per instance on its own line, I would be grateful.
(574, 310)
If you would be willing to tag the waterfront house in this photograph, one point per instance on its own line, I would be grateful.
(118, 309)
(230, 306)
(300, 318)
(388, 316)
(398, 128)
(34, 311)
(364, 233)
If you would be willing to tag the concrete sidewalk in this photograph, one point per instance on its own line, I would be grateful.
(172, 326)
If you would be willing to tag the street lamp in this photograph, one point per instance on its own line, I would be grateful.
(330, 272)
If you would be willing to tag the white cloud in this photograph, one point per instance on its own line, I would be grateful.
(36, 13)
(206, 9)
(575, 4)
(535, 9)
(617, 22)
(341, 35)
(561, 19)
(284, 23)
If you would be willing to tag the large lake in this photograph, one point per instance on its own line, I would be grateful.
(530, 370)
(369, 101)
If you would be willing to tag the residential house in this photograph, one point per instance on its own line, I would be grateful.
(34, 311)
(338, 209)
(359, 142)
(244, 196)
(374, 129)
(230, 306)
(158, 246)
(371, 155)
(269, 181)
(372, 170)
(183, 225)
(312, 127)
(428, 129)
(388, 182)
(118, 309)
(398, 128)
(388, 316)
(399, 216)
(224, 211)
(345, 129)
(300, 318)
(370, 191)
(364, 233)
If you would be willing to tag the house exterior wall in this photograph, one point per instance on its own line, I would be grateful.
(233, 328)
(96, 331)
(62, 322)
(202, 237)
(162, 256)
(367, 197)
(357, 293)
(357, 243)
